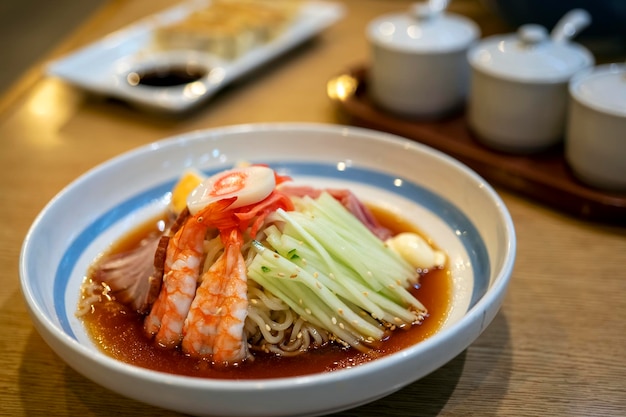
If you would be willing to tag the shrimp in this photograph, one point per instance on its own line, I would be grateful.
(182, 269)
(208, 319)
(214, 325)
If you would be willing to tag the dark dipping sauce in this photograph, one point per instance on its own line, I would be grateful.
(118, 330)
(169, 76)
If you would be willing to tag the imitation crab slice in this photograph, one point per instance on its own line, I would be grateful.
(250, 185)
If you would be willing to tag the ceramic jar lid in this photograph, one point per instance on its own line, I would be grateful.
(602, 88)
(530, 55)
(423, 30)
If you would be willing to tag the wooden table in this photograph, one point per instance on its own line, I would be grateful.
(557, 347)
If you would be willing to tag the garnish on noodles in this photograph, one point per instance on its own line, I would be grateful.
(250, 262)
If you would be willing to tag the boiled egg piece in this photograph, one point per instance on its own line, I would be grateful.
(416, 251)
(249, 184)
(185, 185)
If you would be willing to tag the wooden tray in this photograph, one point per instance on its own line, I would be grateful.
(544, 177)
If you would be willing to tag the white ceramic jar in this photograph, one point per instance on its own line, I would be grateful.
(418, 61)
(518, 92)
(595, 140)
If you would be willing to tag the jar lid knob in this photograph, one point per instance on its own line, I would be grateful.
(428, 9)
(532, 34)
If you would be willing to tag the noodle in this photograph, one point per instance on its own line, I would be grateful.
(273, 327)
(91, 293)
(272, 302)
(213, 247)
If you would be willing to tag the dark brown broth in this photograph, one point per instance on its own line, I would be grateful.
(119, 330)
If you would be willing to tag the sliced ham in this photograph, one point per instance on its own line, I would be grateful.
(135, 276)
(129, 274)
(349, 200)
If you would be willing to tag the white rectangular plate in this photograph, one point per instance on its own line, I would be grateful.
(101, 67)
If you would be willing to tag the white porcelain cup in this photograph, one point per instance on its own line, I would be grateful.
(595, 140)
(518, 91)
(418, 61)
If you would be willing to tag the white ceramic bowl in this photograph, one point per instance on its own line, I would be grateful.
(595, 142)
(449, 202)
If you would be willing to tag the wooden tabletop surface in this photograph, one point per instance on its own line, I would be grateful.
(557, 347)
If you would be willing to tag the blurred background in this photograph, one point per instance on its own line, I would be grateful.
(605, 36)
(30, 28)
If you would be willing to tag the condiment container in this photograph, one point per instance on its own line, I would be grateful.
(595, 139)
(518, 91)
(419, 65)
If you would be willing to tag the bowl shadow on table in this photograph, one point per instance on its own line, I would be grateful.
(430, 396)
(486, 361)
(73, 394)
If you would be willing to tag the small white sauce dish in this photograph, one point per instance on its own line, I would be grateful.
(595, 141)
(449, 202)
(518, 93)
(418, 60)
(206, 75)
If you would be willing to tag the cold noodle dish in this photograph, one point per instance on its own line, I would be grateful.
(249, 274)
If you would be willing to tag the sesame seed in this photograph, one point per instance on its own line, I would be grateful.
(340, 311)
(315, 274)
(307, 311)
(281, 274)
(318, 285)
(334, 320)
(267, 327)
(342, 326)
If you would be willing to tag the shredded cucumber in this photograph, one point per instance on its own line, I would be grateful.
(329, 268)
